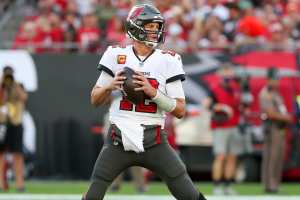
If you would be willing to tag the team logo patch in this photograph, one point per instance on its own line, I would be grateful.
(121, 59)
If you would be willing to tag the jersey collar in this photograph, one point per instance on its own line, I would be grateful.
(142, 60)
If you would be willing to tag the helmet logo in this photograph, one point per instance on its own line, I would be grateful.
(136, 12)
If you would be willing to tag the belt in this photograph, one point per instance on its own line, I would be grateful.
(153, 135)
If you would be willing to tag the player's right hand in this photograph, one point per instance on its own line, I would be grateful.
(117, 82)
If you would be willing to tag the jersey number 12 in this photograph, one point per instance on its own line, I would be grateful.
(151, 107)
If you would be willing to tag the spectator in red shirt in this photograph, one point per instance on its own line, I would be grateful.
(28, 38)
(43, 28)
(116, 34)
(227, 141)
(49, 33)
(88, 36)
(249, 26)
(56, 33)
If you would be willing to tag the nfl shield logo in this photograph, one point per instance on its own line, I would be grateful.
(121, 59)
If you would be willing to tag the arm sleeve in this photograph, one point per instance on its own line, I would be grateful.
(175, 69)
(175, 90)
(104, 79)
(107, 62)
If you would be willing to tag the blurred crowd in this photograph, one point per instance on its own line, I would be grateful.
(4, 4)
(91, 25)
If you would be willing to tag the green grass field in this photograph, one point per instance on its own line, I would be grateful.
(154, 188)
(73, 190)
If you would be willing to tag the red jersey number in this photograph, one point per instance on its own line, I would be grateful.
(125, 104)
(146, 107)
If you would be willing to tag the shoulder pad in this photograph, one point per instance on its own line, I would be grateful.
(171, 54)
(118, 46)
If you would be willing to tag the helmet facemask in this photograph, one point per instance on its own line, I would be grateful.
(139, 33)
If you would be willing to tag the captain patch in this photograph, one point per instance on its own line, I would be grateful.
(121, 59)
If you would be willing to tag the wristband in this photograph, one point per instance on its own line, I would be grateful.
(164, 102)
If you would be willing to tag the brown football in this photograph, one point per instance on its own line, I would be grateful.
(135, 97)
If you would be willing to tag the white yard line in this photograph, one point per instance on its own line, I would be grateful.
(136, 197)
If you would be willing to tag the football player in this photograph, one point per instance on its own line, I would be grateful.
(136, 136)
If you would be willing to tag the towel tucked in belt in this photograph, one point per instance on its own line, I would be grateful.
(132, 136)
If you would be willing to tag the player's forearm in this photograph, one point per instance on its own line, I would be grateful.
(175, 106)
(273, 115)
(179, 110)
(100, 95)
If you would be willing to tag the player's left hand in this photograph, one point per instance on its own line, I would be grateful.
(145, 86)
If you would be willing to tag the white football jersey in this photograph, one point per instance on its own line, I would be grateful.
(161, 67)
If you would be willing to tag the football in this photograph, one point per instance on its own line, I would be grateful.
(135, 97)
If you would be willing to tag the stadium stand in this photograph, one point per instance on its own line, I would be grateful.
(91, 25)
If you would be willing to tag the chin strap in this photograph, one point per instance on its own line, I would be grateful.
(151, 44)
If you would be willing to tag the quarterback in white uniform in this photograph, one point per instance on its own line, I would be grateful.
(162, 69)
(136, 136)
